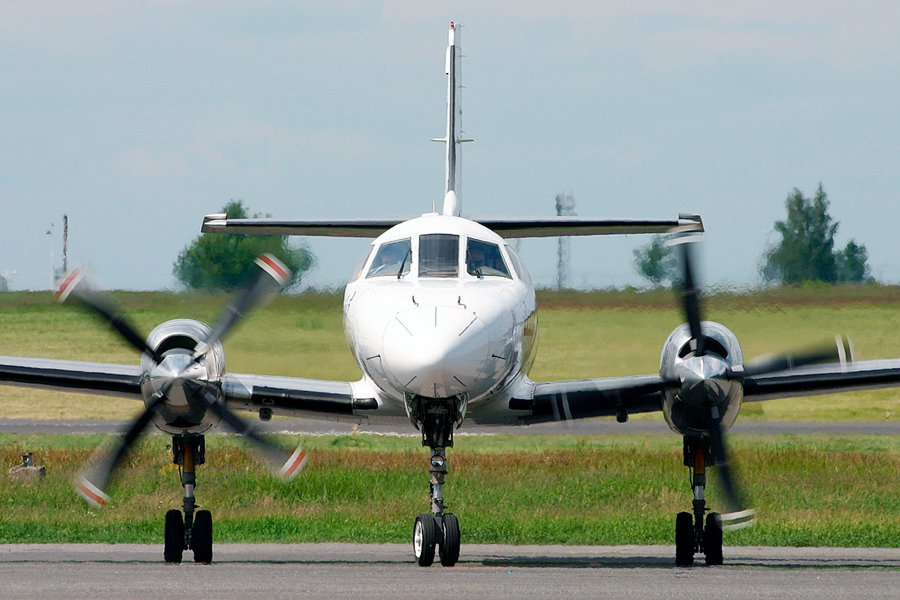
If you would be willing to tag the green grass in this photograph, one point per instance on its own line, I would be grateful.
(614, 489)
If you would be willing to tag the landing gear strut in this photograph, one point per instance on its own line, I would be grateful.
(439, 528)
(193, 530)
(691, 536)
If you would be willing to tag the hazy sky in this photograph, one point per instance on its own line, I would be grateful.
(136, 119)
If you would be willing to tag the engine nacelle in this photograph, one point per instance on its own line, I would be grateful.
(703, 379)
(184, 410)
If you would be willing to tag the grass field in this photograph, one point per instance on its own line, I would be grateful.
(538, 489)
(614, 489)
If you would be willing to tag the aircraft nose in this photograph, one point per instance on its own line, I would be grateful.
(436, 351)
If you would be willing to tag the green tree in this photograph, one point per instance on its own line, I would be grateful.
(853, 264)
(224, 261)
(656, 263)
(806, 250)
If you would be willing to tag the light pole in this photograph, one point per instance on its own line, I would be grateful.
(52, 268)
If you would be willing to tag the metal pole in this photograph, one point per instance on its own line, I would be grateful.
(65, 267)
(52, 268)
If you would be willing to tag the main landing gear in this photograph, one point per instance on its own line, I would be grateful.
(193, 530)
(437, 529)
(691, 536)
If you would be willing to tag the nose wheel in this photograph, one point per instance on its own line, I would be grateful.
(191, 530)
(432, 533)
(449, 549)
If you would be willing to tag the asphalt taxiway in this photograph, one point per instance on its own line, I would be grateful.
(386, 571)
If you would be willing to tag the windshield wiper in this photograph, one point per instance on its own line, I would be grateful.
(403, 264)
(470, 261)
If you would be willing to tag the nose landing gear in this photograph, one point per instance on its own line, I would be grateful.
(691, 536)
(439, 529)
(193, 530)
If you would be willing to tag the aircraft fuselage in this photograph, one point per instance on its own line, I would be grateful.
(441, 307)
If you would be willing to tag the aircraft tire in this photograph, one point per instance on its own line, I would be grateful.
(424, 539)
(201, 537)
(449, 550)
(174, 537)
(712, 539)
(684, 540)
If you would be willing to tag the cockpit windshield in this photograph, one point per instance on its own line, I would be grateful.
(483, 259)
(393, 258)
(438, 255)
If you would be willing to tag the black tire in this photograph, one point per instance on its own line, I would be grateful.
(424, 539)
(712, 539)
(174, 537)
(684, 539)
(202, 537)
(449, 550)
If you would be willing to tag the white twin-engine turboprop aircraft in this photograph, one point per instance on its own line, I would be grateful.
(441, 316)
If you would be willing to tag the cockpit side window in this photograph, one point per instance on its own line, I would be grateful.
(438, 255)
(393, 258)
(357, 271)
(518, 265)
(483, 259)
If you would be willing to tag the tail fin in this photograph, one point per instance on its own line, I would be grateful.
(452, 139)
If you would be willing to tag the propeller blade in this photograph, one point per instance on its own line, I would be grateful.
(840, 352)
(689, 292)
(283, 464)
(106, 309)
(738, 516)
(91, 482)
(273, 275)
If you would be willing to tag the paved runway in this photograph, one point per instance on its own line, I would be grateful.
(386, 571)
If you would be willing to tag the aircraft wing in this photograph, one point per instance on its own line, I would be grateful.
(585, 398)
(294, 396)
(609, 396)
(506, 227)
(572, 226)
(334, 400)
(123, 381)
(823, 379)
(363, 228)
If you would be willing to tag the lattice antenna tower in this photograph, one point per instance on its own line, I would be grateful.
(565, 207)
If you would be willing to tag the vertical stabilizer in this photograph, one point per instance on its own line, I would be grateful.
(453, 138)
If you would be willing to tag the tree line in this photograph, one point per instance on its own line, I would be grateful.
(804, 253)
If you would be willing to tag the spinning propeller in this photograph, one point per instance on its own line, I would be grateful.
(180, 377)
(706, 381)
